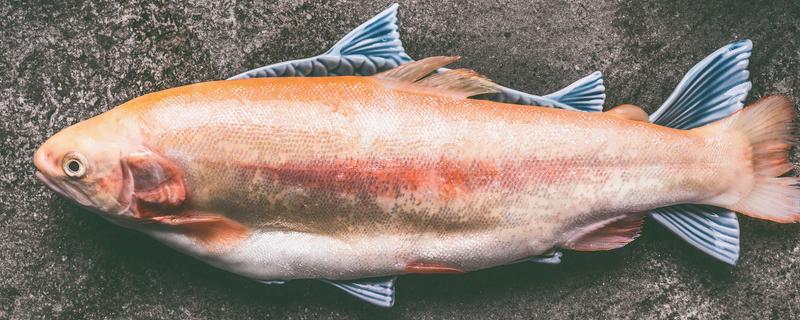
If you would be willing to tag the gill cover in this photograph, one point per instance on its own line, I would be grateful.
(153, 179)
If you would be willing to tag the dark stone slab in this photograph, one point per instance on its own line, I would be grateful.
(66, 61)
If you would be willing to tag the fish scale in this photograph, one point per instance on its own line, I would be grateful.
(305, 151)
(345, 178)
(354, 180)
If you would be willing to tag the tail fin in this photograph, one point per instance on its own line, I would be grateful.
(713, 89)
(768, 126)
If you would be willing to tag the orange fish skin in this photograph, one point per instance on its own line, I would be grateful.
(351, 177)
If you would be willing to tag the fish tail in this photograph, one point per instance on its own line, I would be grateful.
(767, 126)
(714, 89)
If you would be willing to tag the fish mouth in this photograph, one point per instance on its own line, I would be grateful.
(73, 193)
(49, 183)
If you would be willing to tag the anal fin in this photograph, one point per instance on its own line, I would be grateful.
(377, 291)
(713, 230)
(606, 235)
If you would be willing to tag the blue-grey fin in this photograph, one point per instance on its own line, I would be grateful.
(375, 46)
(377, 291)
(372, 47)
(272, 282)
(713, 230)
(378, 37)
(552, 257)
(713, 89)
(587, 94)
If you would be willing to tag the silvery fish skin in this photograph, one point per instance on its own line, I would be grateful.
(364, 186)
(352, 177)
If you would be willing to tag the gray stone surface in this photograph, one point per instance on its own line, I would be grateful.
(66, 61)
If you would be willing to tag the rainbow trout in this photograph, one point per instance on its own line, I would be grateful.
(355, 179)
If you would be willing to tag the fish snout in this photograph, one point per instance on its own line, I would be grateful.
(42, 160)
(39, 159)
(44, 170)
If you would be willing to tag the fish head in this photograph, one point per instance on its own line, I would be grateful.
(83, 163)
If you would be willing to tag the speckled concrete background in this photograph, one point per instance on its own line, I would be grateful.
(69, 61)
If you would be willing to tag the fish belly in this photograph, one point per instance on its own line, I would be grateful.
(344, 178)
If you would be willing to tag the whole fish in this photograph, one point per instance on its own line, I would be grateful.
(355, 179)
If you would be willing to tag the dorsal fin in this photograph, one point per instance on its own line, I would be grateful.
(629, 112)
(377, 37)
(459, 83)
(416, 70)
(373, 46)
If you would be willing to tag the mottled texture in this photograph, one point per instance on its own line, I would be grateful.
(66, 62)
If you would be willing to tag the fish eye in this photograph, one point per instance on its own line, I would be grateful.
(74, 165)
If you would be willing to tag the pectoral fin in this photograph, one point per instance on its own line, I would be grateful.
(214, 231)
(552, 257)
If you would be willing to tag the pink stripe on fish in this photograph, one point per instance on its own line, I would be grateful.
(450, 178)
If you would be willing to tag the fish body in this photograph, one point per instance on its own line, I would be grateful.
(355, 179)
(351, 177)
